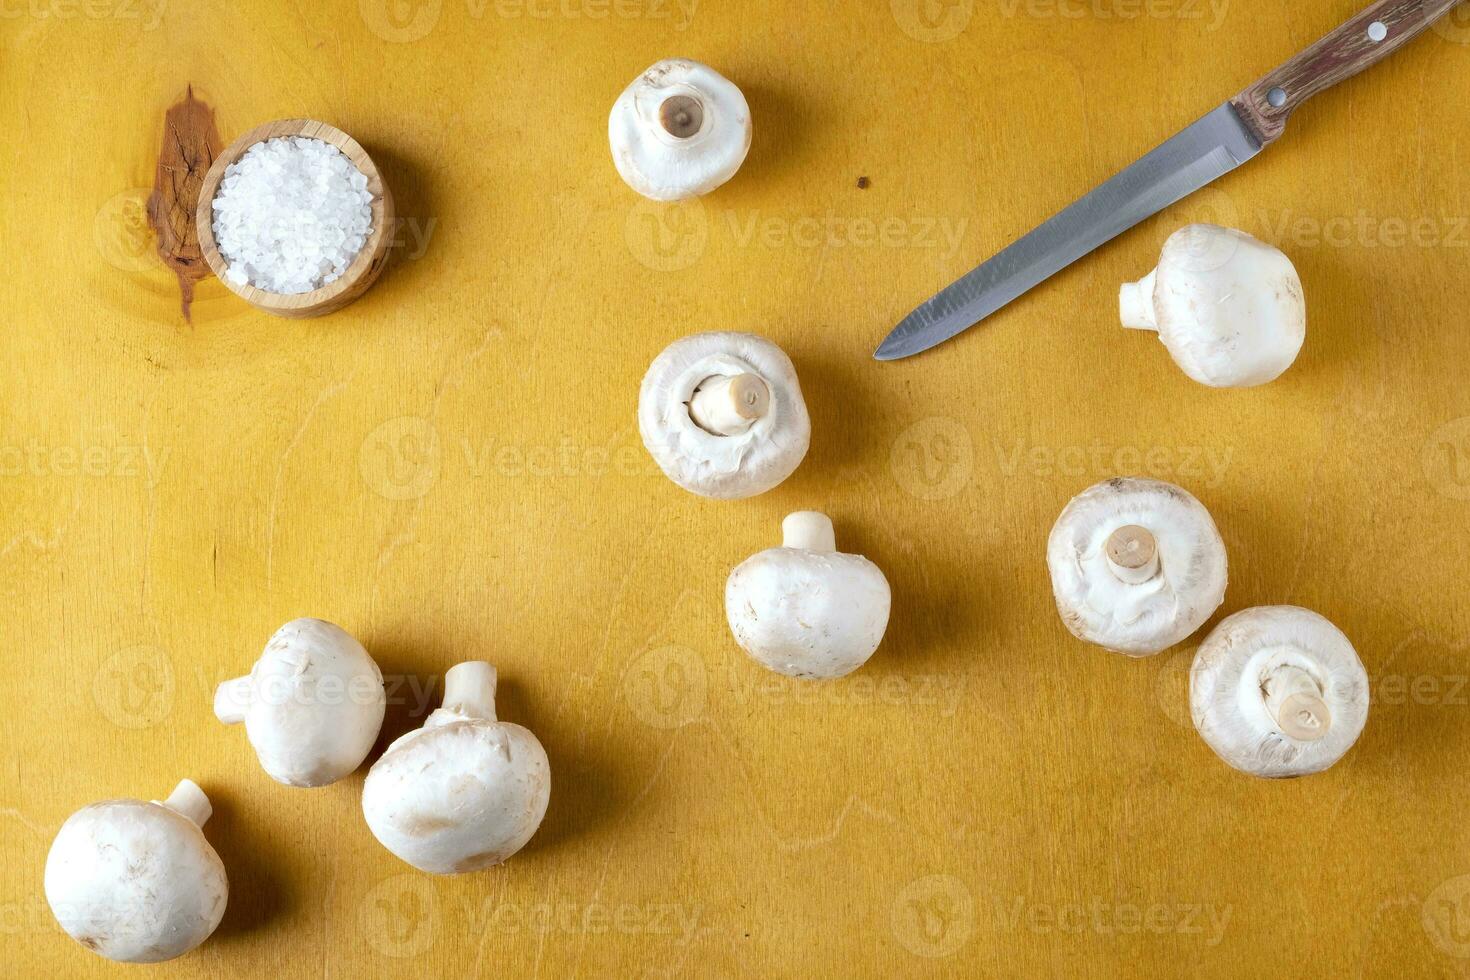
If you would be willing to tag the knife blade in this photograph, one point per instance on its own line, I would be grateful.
(1211, 148)
(1202, 153)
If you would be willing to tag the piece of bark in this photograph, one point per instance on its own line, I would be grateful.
(190, 144)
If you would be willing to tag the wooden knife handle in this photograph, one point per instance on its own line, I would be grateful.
(1365, 40)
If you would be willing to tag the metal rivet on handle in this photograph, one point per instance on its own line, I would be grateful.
(1277, 97)
(1377, 31)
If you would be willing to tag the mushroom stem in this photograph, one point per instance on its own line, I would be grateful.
(188, 799)
(1133, 554)
(469, 690)
(808, 530)
(681, 116)
(231, 699)
(1136, 303)
(727, 404)
(1295, 703)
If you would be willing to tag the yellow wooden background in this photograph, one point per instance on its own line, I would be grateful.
(450, 469)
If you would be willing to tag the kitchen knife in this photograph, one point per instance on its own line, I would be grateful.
(1210, 148)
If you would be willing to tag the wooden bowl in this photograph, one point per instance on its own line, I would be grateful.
(356, 278)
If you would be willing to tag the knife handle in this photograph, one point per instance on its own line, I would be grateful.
(1365, 40)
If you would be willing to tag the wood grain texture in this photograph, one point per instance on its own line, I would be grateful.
(360, 273)
(450, 467)
(1345, 52)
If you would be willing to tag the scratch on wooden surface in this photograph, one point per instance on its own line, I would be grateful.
(24, 821)
(675, 607)
(541, 939)
(792, 843)
(607, 854)
(1393, 903)
(304, 11)
(596, 896)
(270, 525)
(491, 898)
(326, 913)
(658, 770)
(1309, 494)
(36, 541)
(406, 536)
(599, 480)
(42, 544)
(151, 510)
(452, 375)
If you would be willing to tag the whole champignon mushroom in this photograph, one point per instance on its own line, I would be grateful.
(1136, 565)
(1228, 307)
(722, 414)
(680, 130)
(312, 704)
(1278, 691)
(137, 882)
(804, 609)
(465, 791)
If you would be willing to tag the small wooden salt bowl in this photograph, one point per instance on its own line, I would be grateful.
(365, 267)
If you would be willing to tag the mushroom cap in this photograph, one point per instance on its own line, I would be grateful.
(1144, 618)
(1232, 675)
(665, 167)
(315, 705)
(723, 466)
(808, 614)
(1229, 307)
(458, 795)
(134, 881)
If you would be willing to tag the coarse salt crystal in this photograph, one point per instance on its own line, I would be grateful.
(291, 215)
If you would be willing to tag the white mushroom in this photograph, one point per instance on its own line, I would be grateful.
(1136, 565)
(312, 704)
(1278, 691)
(137, 882)
(465, 791)
(680, 130)
(804, 609)
(1228, 307)
(722, 414)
